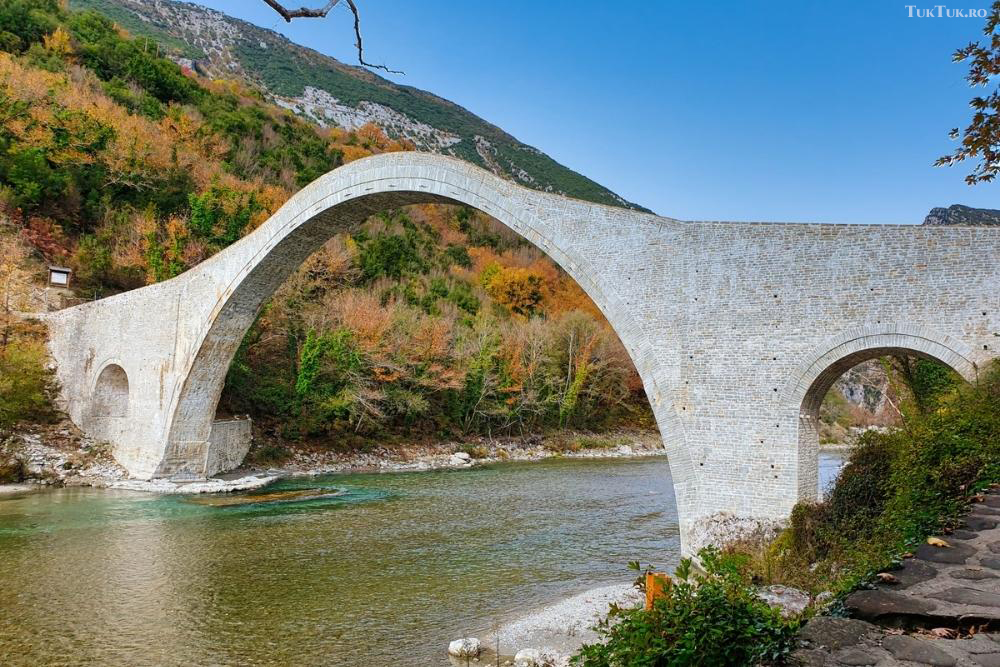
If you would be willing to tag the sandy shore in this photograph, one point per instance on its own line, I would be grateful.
(555, 631)
(563, 627)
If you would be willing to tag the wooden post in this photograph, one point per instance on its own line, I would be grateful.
(656, 587)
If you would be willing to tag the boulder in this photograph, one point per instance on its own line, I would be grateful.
(625, 450)
(791, 601)
(532, 657)
(459, 459)
(467, 647)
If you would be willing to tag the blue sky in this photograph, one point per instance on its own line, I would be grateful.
(780, 111)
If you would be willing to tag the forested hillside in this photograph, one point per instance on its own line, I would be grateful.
(429, 320)
(331, 93)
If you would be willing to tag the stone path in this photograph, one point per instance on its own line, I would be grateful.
(954, 588)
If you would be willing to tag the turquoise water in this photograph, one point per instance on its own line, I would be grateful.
(384, 569)
(384, 573)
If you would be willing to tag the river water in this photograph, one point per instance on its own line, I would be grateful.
(382, 571)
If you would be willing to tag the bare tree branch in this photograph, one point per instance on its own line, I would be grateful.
(305, 12)
(357, 43)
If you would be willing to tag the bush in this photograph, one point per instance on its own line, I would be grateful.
(24, 383)
(713, 619)
(897, 488)
(13, 467)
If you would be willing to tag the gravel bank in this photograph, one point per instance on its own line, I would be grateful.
(560, 629)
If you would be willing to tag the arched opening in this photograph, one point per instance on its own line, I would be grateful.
(111, 393)
(433, 322)
(864, 380)
(244, 277)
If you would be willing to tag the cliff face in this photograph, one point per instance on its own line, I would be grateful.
(957, 214)
(862, 398)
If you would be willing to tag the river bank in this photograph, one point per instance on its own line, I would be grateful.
(552, 634)
(59, 455)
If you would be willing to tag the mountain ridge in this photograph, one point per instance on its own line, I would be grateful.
(331, 93)
(959, 214)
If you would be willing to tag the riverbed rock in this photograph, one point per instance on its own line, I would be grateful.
(968, 596)
(913, 571)
(791, 601)
(532, 657)
(466, 647)
(978, 522)
(972, 574)
(956, 553)
(459, 459)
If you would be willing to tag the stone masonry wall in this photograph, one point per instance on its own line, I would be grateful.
(734, 328)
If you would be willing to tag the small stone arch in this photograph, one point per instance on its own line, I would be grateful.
(820, 369)
(111, 393)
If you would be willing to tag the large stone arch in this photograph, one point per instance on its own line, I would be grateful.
(821, 368)
(258, 264)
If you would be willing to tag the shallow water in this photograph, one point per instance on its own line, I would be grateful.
(831, 462)
(375, 569)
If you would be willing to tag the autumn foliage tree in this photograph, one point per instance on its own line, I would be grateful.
(424, 321)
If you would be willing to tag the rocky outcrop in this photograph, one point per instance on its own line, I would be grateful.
(956, 214)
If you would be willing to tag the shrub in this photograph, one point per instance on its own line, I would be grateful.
(392, 256)
(897, 488)
(24, 383)
(713, 619)
(13, 467)
(521, 291)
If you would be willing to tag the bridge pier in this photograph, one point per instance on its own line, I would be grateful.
(736, 329)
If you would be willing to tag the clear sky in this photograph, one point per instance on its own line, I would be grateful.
(728, 110)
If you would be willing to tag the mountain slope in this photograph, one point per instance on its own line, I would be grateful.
(332, 93)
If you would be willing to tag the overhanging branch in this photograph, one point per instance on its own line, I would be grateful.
(302, 12)
(306, 12)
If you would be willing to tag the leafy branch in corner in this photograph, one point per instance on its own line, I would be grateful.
(306, 12)
(982, 137)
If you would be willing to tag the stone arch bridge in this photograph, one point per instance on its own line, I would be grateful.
(737, 329)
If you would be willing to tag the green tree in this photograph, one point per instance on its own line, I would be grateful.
(981, 138)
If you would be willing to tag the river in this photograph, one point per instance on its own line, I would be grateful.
(384, 570)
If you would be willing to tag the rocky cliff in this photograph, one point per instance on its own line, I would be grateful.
(957, 214)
